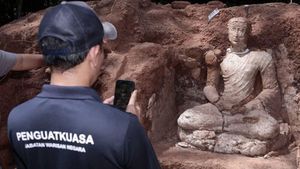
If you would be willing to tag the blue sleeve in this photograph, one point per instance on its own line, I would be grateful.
(7, 61)
(138, 152)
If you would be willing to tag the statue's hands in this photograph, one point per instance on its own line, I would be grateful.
(235, 109)
(238, 110)
(255, 104)
(252, 105)
(220, 105)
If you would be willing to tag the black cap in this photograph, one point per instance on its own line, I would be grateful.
(76, 24)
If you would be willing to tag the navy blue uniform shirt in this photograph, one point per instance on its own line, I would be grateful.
(69, 128)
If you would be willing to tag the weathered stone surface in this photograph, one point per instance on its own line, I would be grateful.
(231, 143)
(211, 93)
(180, 4)
(255, 124)
(201, 139)
(204, 117)
(196, 73)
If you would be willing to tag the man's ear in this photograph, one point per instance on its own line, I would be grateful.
(93, 55)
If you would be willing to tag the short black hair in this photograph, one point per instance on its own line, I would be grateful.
(60, 62)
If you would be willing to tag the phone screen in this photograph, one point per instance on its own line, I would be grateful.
(123, 91)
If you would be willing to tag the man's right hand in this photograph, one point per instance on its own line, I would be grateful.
(132, 106)
(109, 101)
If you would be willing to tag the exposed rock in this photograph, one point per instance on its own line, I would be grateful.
(216, 4)
(180, 4)
(207, 115)
(255, 124)
(202, 139)
(196, 73)
(230, 143)
(211, 93)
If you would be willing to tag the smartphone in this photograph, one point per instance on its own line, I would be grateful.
(123, 91)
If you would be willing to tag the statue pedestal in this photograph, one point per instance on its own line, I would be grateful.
(180, 158)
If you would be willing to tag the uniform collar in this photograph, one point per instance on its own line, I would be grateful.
(67, 92)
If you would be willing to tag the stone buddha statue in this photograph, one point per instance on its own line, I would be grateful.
(240, 118)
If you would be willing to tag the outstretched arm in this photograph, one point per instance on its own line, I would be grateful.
(7, 61)
(12, 61)
(28, 61)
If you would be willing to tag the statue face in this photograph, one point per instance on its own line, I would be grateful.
(237, 33)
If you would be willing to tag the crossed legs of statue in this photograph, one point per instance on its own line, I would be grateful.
(205, 127)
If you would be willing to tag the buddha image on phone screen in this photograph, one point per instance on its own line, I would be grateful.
(123, 94)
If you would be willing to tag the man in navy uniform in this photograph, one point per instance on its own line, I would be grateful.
(66, 126)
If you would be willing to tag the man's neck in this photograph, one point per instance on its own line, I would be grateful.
(69, 78)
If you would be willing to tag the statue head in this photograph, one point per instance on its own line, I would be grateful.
(238, 30)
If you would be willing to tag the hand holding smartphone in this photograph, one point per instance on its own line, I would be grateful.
(123, 91)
